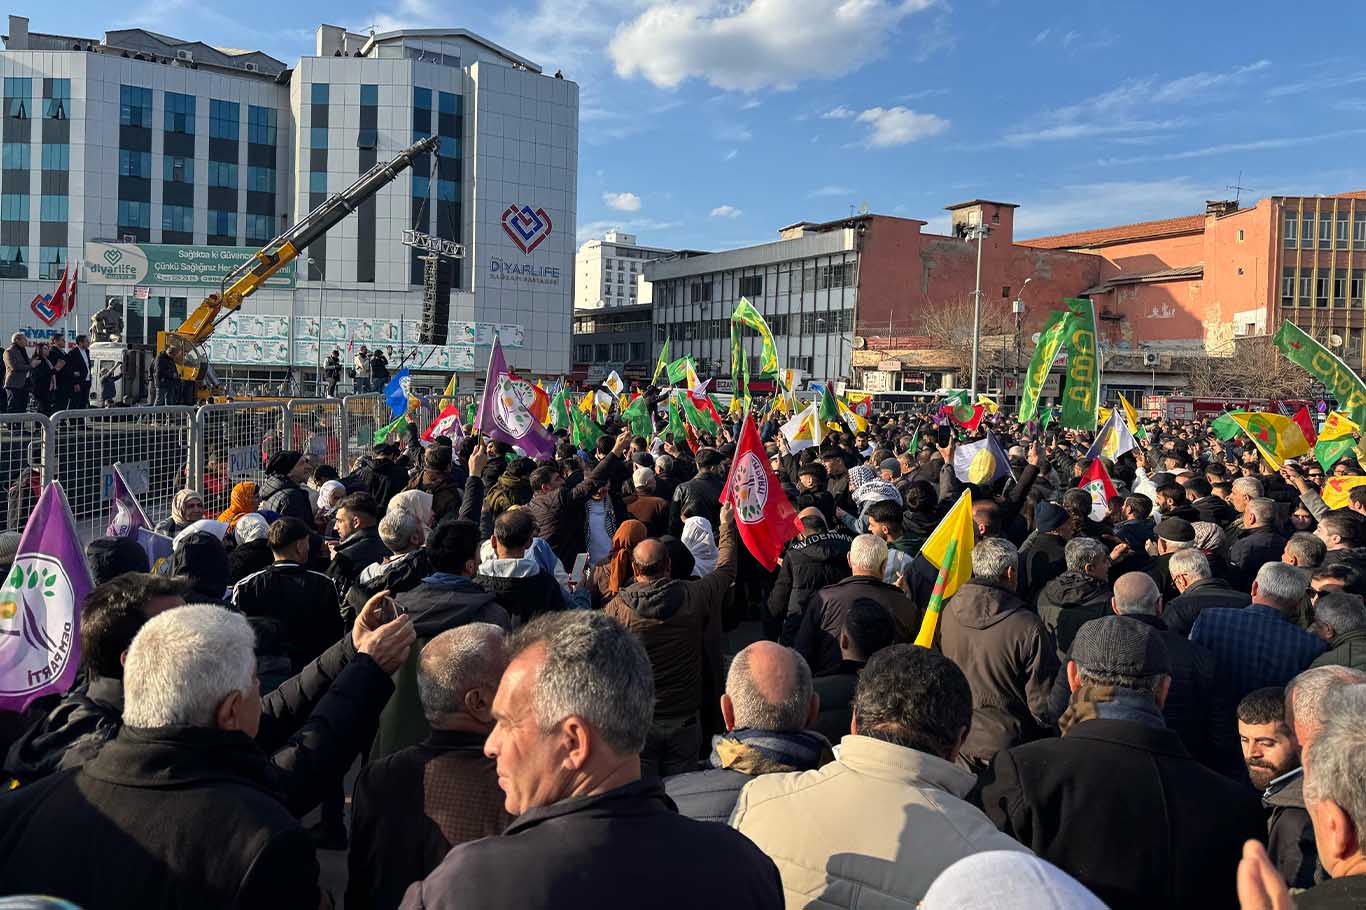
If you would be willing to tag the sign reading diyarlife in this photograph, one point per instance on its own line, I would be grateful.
(527, 228)
(169, 264)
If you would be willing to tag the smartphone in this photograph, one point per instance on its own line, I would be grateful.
(943, 435)
(386, 611)
(580, 566)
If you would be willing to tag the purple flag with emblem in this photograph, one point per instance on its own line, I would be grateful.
(125, 513)
(40, 605)
(505, 410)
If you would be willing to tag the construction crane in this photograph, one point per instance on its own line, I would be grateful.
(185, 343)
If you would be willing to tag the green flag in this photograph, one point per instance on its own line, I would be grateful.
(637, 415)
(1225, 427)
(1081, 398)
(1049, 415)
(915, 443)
(1337, 377)
(677, 429)
(1330, 451)
(701, 420)
(677, 370)
(746, 314)
(559, 411)
(585, 432)
(1050, 342)
(661, 363)
(398, 427)
(829, 409)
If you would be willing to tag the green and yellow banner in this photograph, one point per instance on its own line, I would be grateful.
(1050, 343)
(1081, 397)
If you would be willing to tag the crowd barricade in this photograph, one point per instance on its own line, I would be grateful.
(154, 446)
(24, 461)
(232, 443)
(315, 428)
(361, 416)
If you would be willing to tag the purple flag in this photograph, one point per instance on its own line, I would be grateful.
(505, 409)
(125, 513)
(40, 605)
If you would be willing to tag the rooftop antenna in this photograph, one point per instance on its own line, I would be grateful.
(863, 208)
(1238, 188)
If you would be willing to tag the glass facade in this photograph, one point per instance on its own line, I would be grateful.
(179, 113)
(135, 106)
(56, 99)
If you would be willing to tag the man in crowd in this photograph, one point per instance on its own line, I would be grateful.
(840, 834)
(1260, 543)
(1193, 577)
(359, 545)
(446, 781)
(644, 506)
(559, 513)
(304, 601)
(768, 708)
(679, 623)
(818, 637)
(1272, 757)
(1340, 620)
(1243, 491)
(1079, 595)
(281, 492)
(816, 558)
(183, 807)
(868, 628)
(702, 493)
(73, 381)
(1173, 536)
(571, 716)
(1304, 551)
(1341, 532)
(513, 576)
(17, 369)
(1005, 652)
(1043, 557)
(1119, 774)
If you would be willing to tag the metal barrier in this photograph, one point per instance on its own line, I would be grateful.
(315, 428)
(361, 416)
(154, 444)
(24, 462)
(232, 443)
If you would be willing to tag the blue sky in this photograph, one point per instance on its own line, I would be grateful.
(710, 123)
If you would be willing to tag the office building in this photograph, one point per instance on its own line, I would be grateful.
(607, 271)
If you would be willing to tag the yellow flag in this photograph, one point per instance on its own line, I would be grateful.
(449, 391)
(949, 550)
(1130, 415)
(990, 406)
(1337, 426)
(1337, 491)
(586, 403)
(1276, 438)
(860, 425)
(1102, 415)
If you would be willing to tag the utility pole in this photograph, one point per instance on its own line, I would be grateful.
(981, 230)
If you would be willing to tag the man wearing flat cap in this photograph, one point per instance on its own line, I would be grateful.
(1044, 555)
(281, 492)
(1173, 534)
(1118, 802)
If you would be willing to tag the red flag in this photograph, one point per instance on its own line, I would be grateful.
(60, 303)
(71, 295)
(447, 423)
(1096, 482)
(1306, 425)
(764, 517)
(966, 417)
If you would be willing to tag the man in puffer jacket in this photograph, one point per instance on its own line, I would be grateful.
(1077, 596)
(818, 557)
(281, 492)
(513, 576)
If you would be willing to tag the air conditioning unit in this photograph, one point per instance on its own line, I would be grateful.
(249, 67)
(1151, 360)
(184, 55)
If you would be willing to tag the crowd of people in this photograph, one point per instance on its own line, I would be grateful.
(498, 682)
(47, 377)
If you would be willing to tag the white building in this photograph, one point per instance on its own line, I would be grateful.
(157, 163)
(608, 272)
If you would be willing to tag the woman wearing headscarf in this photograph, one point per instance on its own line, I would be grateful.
(200, 557)
(187, 507)
(241, 502)
(614, 572)
(701, 543)
(251, 552)
(330, 495)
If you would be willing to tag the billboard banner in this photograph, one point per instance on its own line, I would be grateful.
(169, 265)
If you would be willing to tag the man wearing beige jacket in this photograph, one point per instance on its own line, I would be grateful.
(880, 823)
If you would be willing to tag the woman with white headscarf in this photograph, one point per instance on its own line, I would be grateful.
(416, 503)
(701, 543)
(252, 551)
(330, 496)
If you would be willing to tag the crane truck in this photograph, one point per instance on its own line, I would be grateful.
(185, 343)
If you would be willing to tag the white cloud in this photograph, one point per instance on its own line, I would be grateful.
(1042, 36)
(725, 211)
(730, 156)
(1134, 107)
(1255, 145)
(622, 202)
(1079, 207)
(839, 113)
(595, 229)
(751, 104)
(899, 125)
(830, 191)
(757, 44)
(1317, 84)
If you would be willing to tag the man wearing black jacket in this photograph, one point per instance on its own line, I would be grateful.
(185, 807)
(304, 601)
(558, 509)
(357, 525)
(702, 493)
(816, 558)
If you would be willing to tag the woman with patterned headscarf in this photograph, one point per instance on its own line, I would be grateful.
(187, 507)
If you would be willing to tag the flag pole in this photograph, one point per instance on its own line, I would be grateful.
(931, 621)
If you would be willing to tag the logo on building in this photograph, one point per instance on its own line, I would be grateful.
(526, 227)
(41, 306)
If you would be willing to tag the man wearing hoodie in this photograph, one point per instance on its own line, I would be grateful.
(436, 478)
(1080, 594)
(281, 492)
(515, 577)
(513, 487)
(444, 600)
(679, 623)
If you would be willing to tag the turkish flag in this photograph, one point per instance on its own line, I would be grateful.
(60, 303)
(1096, 482)
(1306, 425)
(763, 515)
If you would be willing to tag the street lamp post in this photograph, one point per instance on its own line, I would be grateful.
(1019, 325)
(321, 387)
(981, 230)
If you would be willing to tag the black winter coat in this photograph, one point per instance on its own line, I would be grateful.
(1068, 602)
(702, 494)
(354, 555)
(281, 495)
(603, 851)
(524, 597)
(304, 601)
(836, 686)
(1181, 612)
(401, 573)
(1042, 559)
(708, 795)
(1290, 835)
(809, 564)
(1123, 808)
(248, 558)
(818, 636)
(559, 513)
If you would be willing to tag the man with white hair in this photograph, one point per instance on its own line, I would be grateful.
(571, 716)
(445, 780)
(1193, 576)
(768, 708)
(1080, 594)
(1257, 646)
(1005, 652)
(1244, 490)
(184, 808)
(1260, 544)
(818, 637)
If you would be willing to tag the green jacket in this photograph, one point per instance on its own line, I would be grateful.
(1346, 651)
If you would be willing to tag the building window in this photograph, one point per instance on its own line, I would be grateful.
(1339, 290)
(57, 103)
(1291, 225)
(317, 182)
(1307, 232)
(261, 179)
(12, 262)
(585, 353)
(135, 106)
(1359, 233)
(56, 156)
(836, 276)
(1357, 286)
(177, 218)
(18, 97)
(260, 125)
(619, 351)
(422, 112)
(602, 353)
(224, 117)
(135, 164)
(699, 292)
(14, 207)
(805, 364)
(1240, 235)
(135, 214)
(367, 138)
(447, 190)
(1344, 226)
(177, 170)
(260, 229)
(1287, 287)
(51, 261)
(1005, 292)
(179, 113)
(317, 137)
(1325, 233)
(750, 285)
(54, 208)
(318, 93)
(638, 351)
(15, 156)
(1306, 289)
(224, 174)
(1321, 288)
(222, 224)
